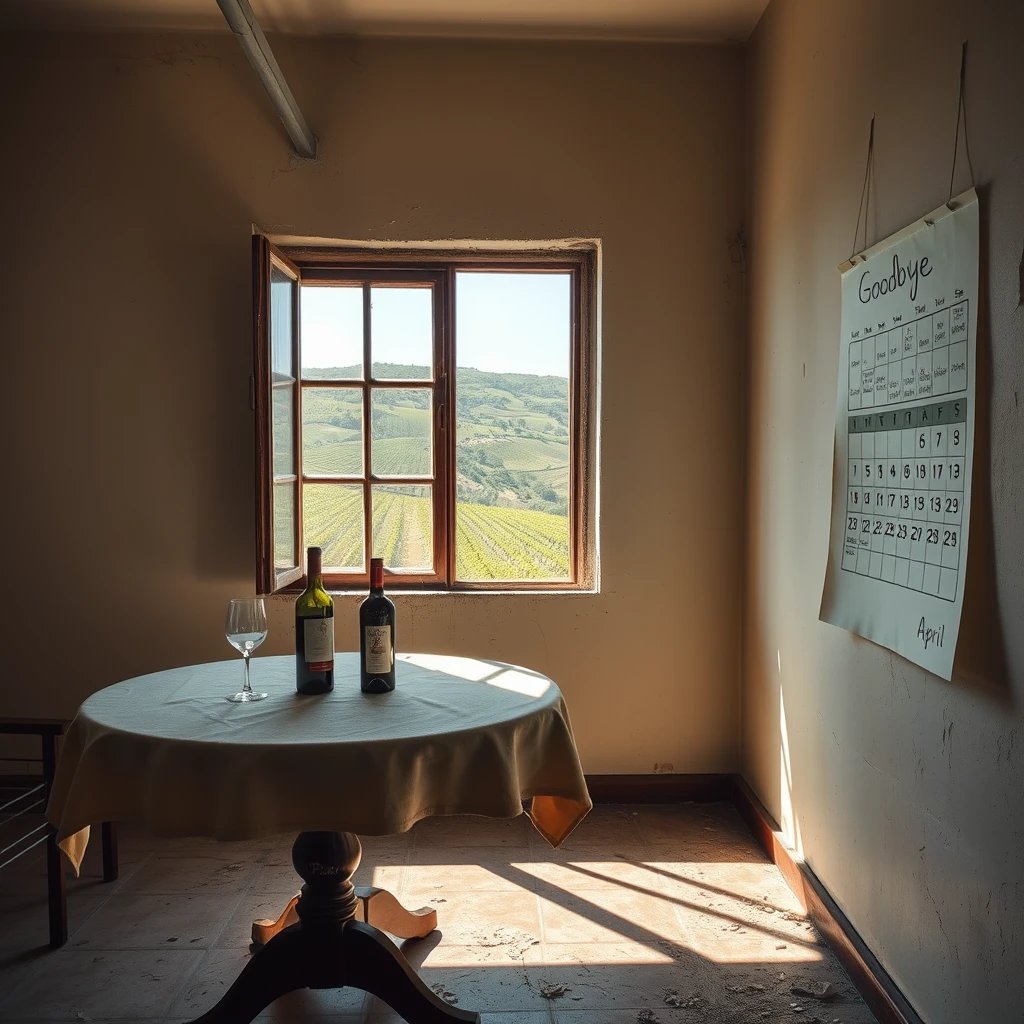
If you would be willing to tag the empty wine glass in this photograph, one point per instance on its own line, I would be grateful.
(246, 629)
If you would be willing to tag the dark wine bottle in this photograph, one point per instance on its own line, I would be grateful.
(376, 636)
(314, 631)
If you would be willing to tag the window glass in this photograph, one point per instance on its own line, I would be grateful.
(514, 343)
(402, 526)
(402, 333)
(333, 518)
(401, 431)
(332, 431)
(332, 332)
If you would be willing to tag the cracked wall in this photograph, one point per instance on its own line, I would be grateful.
(903, 792)
(134, 168)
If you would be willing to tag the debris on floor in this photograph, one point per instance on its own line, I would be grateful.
(822, 990)
(441, 991)
(513, 940)
(646, 1017)
(673, 998)
(555, 991)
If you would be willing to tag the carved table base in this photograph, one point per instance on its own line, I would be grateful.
(328, 937)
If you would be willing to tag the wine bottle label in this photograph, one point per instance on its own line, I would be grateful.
(319, 637)
(379, 652)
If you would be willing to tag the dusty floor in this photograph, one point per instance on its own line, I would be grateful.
(648, 913)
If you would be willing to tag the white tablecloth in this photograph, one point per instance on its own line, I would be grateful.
(457, 736)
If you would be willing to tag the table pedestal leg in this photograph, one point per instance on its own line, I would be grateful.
(329, 947)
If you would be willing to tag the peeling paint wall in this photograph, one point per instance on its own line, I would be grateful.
(905, 793)
(133, 169)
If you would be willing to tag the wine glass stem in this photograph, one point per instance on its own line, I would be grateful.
(246, 688)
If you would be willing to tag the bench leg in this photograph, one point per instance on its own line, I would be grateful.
(56, 889)
(109, 851)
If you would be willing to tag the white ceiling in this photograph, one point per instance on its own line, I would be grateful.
(703, 20)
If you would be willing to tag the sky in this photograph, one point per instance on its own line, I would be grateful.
(505, 323)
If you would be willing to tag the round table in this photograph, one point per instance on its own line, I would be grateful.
(456, 736)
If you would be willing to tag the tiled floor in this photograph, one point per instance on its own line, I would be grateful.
(648, 913)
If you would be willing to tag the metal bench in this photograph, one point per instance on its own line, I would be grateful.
(30, 799)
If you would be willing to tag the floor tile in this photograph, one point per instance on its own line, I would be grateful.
(207, 875)
(134, 921)
(608, 916)
(666, 913)
(472, 830)
(445, 870)
(24, 919)
(78, 984)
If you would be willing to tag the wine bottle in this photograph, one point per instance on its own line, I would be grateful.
(314, 631)
(376, 636)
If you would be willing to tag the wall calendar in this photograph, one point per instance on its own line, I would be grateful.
(904, 445)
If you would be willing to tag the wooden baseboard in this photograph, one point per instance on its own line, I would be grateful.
(659, 789)
(886, 1001)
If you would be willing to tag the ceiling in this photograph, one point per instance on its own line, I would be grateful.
(690, 20)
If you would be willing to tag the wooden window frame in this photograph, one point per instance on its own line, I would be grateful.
(315, 265)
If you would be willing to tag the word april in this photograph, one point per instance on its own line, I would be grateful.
(897, 279)
(929, 635)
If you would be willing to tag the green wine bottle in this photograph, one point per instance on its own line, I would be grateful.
(314, 631)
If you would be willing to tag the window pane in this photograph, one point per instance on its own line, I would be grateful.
(401, 433)
(402, 530)
(285, 555)
(402, 333)
(514, 337)
(332, 332)
(284, 453)
(332, 431)
(333, 520)
(282, 296)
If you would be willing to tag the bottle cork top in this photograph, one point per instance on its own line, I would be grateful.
(376, 573)
(314, 562)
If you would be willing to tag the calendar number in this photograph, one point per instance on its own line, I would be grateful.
(915, 533)
(851, 523)
(956, 438)
(878, 526)
(953, 505)
(936, 504)
(892, 470)
(950, 539)
(901, 532)
(890, 529)
(922, 441)
(906, 470)
(904, 501)
(922, 471)
(933, 537)
(919, 502)
(866, 527)
(954, 470)
(937, 471)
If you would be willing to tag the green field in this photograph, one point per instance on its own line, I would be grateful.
(512, 473)
(492, 543)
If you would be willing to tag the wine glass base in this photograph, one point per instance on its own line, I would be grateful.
(243, 697)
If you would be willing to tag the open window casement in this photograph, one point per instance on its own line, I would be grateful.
(278, 492)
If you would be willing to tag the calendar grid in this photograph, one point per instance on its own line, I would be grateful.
(905, 493)
(922, 358)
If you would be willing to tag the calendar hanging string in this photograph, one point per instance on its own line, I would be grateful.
(865, 192)
(961, 109)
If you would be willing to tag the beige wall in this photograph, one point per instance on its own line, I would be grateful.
(903, 791)
(133, 169)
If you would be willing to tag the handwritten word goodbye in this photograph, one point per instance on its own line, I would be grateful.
(897, 279)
